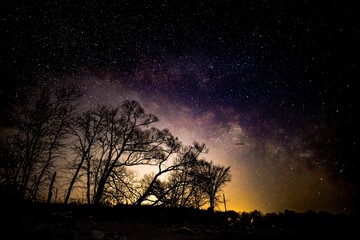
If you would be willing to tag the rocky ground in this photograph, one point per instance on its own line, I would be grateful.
(61, 227)
(41, 222)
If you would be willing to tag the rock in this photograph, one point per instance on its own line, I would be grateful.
(97, 235)
(186, 231)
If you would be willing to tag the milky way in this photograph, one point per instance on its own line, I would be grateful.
(269, 88)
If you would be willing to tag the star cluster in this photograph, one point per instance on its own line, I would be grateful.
(268, 87)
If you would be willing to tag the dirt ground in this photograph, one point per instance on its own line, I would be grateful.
(90, 229)
(58, 223)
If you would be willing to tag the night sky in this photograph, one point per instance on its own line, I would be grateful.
(279, 77)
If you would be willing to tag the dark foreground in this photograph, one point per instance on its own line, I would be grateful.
(38, 221)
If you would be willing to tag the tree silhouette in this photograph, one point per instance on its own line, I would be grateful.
(211, 178)
(86, 128)
(182, 189)
(121, 187)
(37, 139)
(110, 139)
(106, 141)
(185, 156)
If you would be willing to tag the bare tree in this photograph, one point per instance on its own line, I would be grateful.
(121, 188)
(110, 139)
(87, 129)
(167, 146)
(38, 137)
(183, 190)
(124, 143)
(106, 141)
(211, 178)
(184, 158)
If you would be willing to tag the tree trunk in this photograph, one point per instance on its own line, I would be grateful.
(73, 180)
(212, 203)
(99, 192)
(50, 188)
(148, 190)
